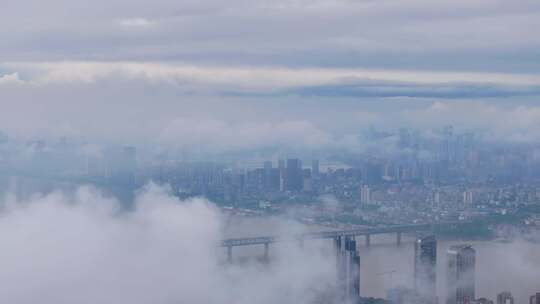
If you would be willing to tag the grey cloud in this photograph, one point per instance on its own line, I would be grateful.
(416, 90)
(186, 105)
(449, 34)
(266, 79)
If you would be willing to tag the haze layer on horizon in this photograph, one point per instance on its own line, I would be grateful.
(254, 74)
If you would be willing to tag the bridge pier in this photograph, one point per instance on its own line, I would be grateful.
(229, 254)
(337, 243)
(398, 238)
(368, 240)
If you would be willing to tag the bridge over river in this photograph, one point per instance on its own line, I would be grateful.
(336, 234)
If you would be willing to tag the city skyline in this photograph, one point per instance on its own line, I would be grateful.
(269, 151)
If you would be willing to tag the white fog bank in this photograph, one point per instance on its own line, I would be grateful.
(65, 249)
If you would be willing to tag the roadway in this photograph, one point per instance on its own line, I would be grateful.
(264, 240)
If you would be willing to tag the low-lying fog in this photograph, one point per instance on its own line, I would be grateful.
(82, 248)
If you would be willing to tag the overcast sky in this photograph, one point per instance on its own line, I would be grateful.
(243, 73)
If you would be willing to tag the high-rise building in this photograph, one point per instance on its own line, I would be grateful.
(467, 197)
(315, 175)
(365, 195)
(505, 297)
(282, 174)
(275, 179)
(437, 199)
(315, 168)
(281, 164)
(307, 180)
(535, 298)
(267, 178)
(461, 274)
(425, 260)
(294, 177)
(348, 269)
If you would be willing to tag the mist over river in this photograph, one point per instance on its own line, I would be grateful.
(500, 266)
(512, 265)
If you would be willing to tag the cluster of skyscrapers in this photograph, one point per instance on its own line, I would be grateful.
(460, 275)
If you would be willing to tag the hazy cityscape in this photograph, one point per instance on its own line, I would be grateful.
(452, 177)
(265, 152)
(448, 186)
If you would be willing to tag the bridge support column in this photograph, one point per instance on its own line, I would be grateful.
(229, 254)
(337, 244)
(266, 250)
(398, 238)
(368, 240)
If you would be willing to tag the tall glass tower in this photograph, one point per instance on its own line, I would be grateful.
(425, 260)
(461, 274)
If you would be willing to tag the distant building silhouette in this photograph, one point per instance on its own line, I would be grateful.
(425, 260)
(482, 301)
(505, 298)
(461, 274)
(315, 168)
(348, 269)
(365, 195)
(294, 176)
(468, 197)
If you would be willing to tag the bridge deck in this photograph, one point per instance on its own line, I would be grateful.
(330, 234)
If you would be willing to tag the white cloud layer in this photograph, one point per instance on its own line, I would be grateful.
(248, 78)
(136, 22)
(10, 79)
(63, 250)
(179, 106)
(80, 248)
